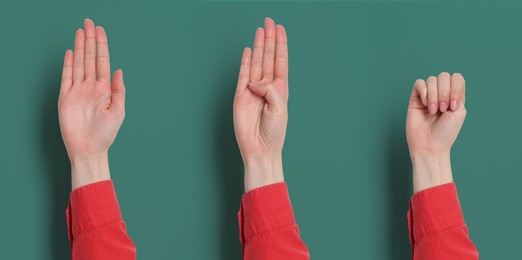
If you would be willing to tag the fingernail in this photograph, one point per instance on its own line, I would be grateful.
(433, 108)
(443, 106)
(453, 105)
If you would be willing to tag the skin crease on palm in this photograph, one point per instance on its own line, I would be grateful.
(260, 106)
(91, 107)
(435, 116)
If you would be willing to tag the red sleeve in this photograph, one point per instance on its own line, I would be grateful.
(267, 227)
(96, 228)
(436, 225)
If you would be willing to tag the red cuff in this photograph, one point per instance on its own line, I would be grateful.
(92, 206)
(264, 209)
(434, 210)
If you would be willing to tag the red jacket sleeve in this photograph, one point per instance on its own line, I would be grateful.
(267, 227)
(436, 225)
(96, 228)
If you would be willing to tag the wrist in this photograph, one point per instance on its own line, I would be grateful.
(263, 170)
(89, 168)
(430, 170)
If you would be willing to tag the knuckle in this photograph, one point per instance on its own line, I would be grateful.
(78, 65)
(443, 97)
(103, 58)
(270, 35)
(463, 111)
(455, 96)
(455, 91)
(280, 60)
(90, 55)
(257, 64)
(269, 54)
(433, 92)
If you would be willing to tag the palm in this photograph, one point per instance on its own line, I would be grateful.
(260, 111)
(90, 107)
(87, 122)
(259, 126)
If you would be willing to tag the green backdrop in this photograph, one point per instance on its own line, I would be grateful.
(176, 165)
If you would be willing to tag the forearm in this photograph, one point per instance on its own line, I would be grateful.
(262, 171)
(267, 225)
(436, 222)
(430, 170)
(95, 224)
(89, 168)
(436, 226)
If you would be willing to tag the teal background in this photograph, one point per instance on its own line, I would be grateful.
(176, 165)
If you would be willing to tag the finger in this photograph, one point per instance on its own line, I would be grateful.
(118, 91)
(244, 70)
(67, 72)
(270, 92)
(432, 95)
(458, 91)
(444, 87)
(79, 48)
(90, 50)
(420, 91)
(281, 59)
(257, 56)
(103, 67)
(269, 52)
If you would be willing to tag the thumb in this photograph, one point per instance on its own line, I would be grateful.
(268, 91)
(118, 90)
(419, 95)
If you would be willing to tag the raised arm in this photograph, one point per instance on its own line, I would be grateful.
(91, 111)
(435, 116)
(267, 224)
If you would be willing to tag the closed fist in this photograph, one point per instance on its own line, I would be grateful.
(435, 114)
